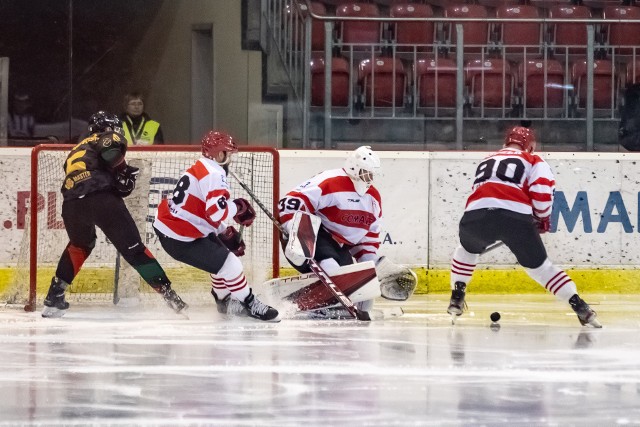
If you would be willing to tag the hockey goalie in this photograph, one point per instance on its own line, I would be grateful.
(338, 214)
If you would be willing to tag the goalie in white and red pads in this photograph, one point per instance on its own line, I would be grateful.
(192, 228)
(511, 202)
(349, 212)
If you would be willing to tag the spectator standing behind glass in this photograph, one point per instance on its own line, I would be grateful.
(21, 120)
(139, 128)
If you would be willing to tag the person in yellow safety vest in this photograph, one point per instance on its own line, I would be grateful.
(139, 128)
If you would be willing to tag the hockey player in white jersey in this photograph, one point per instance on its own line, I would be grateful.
(350, 210)
(192, 228)
(511, 202)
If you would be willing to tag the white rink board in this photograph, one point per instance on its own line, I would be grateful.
(423, 199)
(403, 186)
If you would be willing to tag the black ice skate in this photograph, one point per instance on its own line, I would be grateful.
(253, 307)
(457, 304)
(221, 304)
(586, 315)
(55, 304)
(172, 299)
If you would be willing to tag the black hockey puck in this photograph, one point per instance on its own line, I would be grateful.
(495, 316)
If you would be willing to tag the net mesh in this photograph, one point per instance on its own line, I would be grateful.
(160, 171)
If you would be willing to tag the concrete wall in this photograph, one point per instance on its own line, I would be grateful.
(165, 52)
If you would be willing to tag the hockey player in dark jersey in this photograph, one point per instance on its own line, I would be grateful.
(97, 179)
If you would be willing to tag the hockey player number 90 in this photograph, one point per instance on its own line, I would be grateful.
(508, 170)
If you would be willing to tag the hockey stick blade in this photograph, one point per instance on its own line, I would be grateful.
(341, 297)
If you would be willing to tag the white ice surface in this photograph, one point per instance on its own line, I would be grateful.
(110, 365)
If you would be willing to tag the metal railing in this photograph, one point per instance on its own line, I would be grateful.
(291, 24)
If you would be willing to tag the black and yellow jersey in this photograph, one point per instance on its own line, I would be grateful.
(92, 164)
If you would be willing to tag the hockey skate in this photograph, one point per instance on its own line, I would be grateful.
(172, 299)
(585, 314)
(54, 304)
(221, 304)
(457, 304)
(252, 307)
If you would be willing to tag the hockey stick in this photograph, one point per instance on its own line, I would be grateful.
(315, 267)
(491, 247)
(116, 280)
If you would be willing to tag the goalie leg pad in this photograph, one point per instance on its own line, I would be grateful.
(397, 283)
(302, 238)
(356, 281)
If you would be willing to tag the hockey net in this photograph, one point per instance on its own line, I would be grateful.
(160, 168)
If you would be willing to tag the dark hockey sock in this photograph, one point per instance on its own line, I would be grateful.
(71, 262)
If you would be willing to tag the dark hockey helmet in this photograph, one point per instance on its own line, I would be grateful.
(214, 143)
(522, 137)
(102, 121)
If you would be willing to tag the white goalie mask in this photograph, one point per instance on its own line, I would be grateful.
(361, 166)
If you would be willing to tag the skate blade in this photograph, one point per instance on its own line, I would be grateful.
(454, 317)
(52, 312)
(595, 323)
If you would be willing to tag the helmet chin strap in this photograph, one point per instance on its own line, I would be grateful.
(360, 186)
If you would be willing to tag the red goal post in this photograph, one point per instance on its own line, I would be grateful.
(160, 166)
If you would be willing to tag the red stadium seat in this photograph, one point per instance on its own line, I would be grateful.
(498, 3)
(571, 38)
(531, 81)
(359, 32)
(603, 83)
(412, 33)
(623, 34)
(383, 82)
(490, 81)
(340, 72)
(475, 33)
(519, 34)
(633, 72)
(317, 26)
(436, 79)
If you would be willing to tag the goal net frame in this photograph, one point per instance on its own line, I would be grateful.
(236, 191)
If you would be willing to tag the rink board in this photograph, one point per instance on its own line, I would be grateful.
(595, 223)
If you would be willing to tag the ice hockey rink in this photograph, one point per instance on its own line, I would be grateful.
(109, 365)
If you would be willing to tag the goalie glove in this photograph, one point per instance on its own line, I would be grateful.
(126, 180)
(232, 239)
(397, 283)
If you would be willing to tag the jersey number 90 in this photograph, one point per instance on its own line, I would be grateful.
(508, 170)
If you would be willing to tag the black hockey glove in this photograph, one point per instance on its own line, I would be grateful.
(233, 241)
(126, 180)
(246, 214)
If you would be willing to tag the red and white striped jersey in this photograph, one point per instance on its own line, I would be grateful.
(199, 204)
(351, 219)
(514, 180)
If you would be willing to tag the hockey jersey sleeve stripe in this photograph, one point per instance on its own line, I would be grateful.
(217, 194)
(336, 184)
(373, 235)
(541, 197)
(359, 254)
(285, 218)
(198, 170)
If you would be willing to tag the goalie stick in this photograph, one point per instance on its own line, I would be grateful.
(315, 267)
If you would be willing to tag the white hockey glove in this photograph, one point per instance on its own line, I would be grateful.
(397, 282)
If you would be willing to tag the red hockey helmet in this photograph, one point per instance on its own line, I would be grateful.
(521, 136)
(214, 143)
